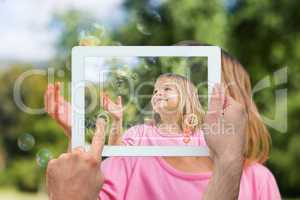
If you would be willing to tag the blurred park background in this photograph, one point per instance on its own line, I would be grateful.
(263, 34)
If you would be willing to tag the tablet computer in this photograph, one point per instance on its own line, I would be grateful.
(131, 73)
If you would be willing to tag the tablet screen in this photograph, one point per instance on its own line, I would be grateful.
(146, 100)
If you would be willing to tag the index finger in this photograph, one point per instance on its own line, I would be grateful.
(98, 139)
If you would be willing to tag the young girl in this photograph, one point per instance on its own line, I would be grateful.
(177, 117)
(186, 177)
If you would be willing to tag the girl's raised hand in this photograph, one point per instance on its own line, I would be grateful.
(57, 107)
(115, 109)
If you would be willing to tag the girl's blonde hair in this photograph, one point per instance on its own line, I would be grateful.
(238, 83)
(189, 105)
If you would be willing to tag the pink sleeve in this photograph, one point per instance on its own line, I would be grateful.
(133, 135)
(269, 188)
(116, 172)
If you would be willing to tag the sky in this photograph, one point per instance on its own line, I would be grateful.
(25, 34)
(97, 65)
(24, 25)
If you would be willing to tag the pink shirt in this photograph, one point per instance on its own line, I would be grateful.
(152, 178)
(145, 134)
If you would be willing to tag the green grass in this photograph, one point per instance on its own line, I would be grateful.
(12, 194)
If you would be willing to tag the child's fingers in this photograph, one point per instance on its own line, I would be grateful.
(49, 99)
(57, 90)
(61, 106)
(56, 98)
(119, 101)
(108, 99)
(103, 100)
(109, 104)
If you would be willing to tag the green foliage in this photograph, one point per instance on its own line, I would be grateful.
(26, 175)
(21, 166)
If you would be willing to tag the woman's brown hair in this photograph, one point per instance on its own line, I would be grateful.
(238, 86)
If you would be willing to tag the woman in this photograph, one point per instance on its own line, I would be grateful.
(188, 177)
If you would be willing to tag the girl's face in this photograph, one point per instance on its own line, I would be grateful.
(165, 96)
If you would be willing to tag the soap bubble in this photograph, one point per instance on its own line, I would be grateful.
(142, 28)
(121, 72)
(146, 20)
(146, 67)
(119, 83)
(99, 29)
(122, 91)
(43, 157)
(134, 76)
(122, 86)
(90, 123)
(155, 16)
(82, 34)
(104, 115)
(116, 83)
(26, 142)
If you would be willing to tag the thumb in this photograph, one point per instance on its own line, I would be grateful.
(98, 139)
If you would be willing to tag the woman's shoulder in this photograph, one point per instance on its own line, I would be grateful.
(263, 180)
(258, 170)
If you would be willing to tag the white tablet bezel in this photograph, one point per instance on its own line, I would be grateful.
(79, 53)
